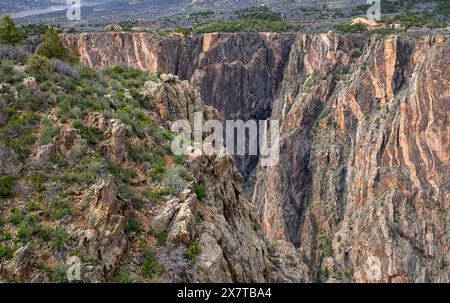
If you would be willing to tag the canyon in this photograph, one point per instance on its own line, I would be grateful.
(361, 192)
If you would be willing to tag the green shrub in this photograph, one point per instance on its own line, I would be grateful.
(60, 238)
(198, 219)
(183, 30)
(6, 252)
(39, 67)
(25, 231)
(141, 154)
(151, 267)
(200, 191)
(443, 7)
(59, 208)
(262, 12)
(9, 33)
(18, 125)
(412, 20)
(327, 247)
(180, 159)
(123, 277)
(252, 19)
(6, 236)
(174, 180)
(16, 216)
(161, 239)
(8, 73)
(133, 226)
(90, 134)
(48, 131)
(78, 154)
(6, 186)
(128, 193)
(58, 159)
(138, 120)
(86, 172)
(389, 7)
(53, 47)
(46, 233)
(157, 194)
(41, 266)
(37, 181)
(192, 251)
(59, 273)
(32, 206)
(121, 174)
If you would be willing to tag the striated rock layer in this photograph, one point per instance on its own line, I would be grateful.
(365, 145)
(361, 192)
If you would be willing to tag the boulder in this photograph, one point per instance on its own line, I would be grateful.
(18, 268)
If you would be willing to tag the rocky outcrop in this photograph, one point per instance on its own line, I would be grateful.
(177, 217)
(68, 140)
(19, 267)
(232, 250)
(173, 99)
(105, 239)
(115, 148)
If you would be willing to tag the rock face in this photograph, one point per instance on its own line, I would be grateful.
(68, 140)
(18, 268)
(115, 149)
(173, 99)
(232, 249)
(362, 187)
(105, 238)
(221, 222)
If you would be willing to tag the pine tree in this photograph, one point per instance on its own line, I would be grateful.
(9, 33)
(52, 46)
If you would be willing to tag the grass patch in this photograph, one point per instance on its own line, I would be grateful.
(60, 238)
(151, 267)
(133, 226)
(6, 252)
(123, 277)
(16, 216)
(162, 239)
(200, 191)
(6, 186)
(48, 132)
(192, 251)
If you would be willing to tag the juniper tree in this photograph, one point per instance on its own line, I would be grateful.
(9, 33)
